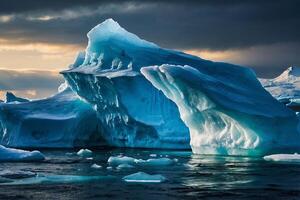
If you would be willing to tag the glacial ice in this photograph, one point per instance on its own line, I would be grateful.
(141, 177)
(11, 98)
(124, 167)
(10, 154)
(295, 158)
(226, 109)
(63, 120)
(95, 166)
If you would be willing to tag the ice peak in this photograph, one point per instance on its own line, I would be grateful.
(111, 30)
(290, 73)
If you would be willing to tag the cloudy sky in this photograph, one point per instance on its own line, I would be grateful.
(45, 35)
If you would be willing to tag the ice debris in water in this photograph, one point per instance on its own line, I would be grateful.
(118, 160)
(124, 166)
(283, 157)
(85, 153)
(95, 166)
(11, 154)
(154, 162)
(141, 177)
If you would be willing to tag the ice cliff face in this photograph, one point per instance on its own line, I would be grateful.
(227, 111)
(62, 120)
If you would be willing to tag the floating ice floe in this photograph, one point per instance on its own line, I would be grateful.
(85, 153)
(141, 177)
(283, 158)
(10, 154)
(95, 166)
(118, 160)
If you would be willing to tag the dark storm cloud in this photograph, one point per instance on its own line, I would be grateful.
(216, 25)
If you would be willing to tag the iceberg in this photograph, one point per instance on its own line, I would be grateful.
(295, 158)
(141, 177)
(226, 109)
(118, 160)
(286, 86)
(17, 155)
(95, 166)
(60, 121)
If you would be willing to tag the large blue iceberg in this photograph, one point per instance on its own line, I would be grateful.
(126, 92)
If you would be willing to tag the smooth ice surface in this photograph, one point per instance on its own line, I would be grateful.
(141, 177)
(63, 120)
(227, 110)
(286, 86)
(283, 158)
(11, 98)
(85, 153)
(17, 155)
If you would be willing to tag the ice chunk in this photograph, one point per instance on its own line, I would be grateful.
(10, 154)
(118, 160)
(95, 166)
(11, 98)
(226, 109)
(283, 158)
(154, 162)
(124, 166)
(84, 153)
(141, 177)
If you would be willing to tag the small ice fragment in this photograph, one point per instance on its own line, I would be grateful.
(118, 160)
(109, 168)
(90, 158)
(85, 153)
(141, 177)
(95, 166)
(154, 162)
(152, 155)
(283, 157)
(175, 160)
(124, 166)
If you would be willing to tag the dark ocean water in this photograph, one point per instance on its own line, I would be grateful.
(67, 176)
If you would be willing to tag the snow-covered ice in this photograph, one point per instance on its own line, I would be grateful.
(11, 154)
(141, 177)
(226, 109)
